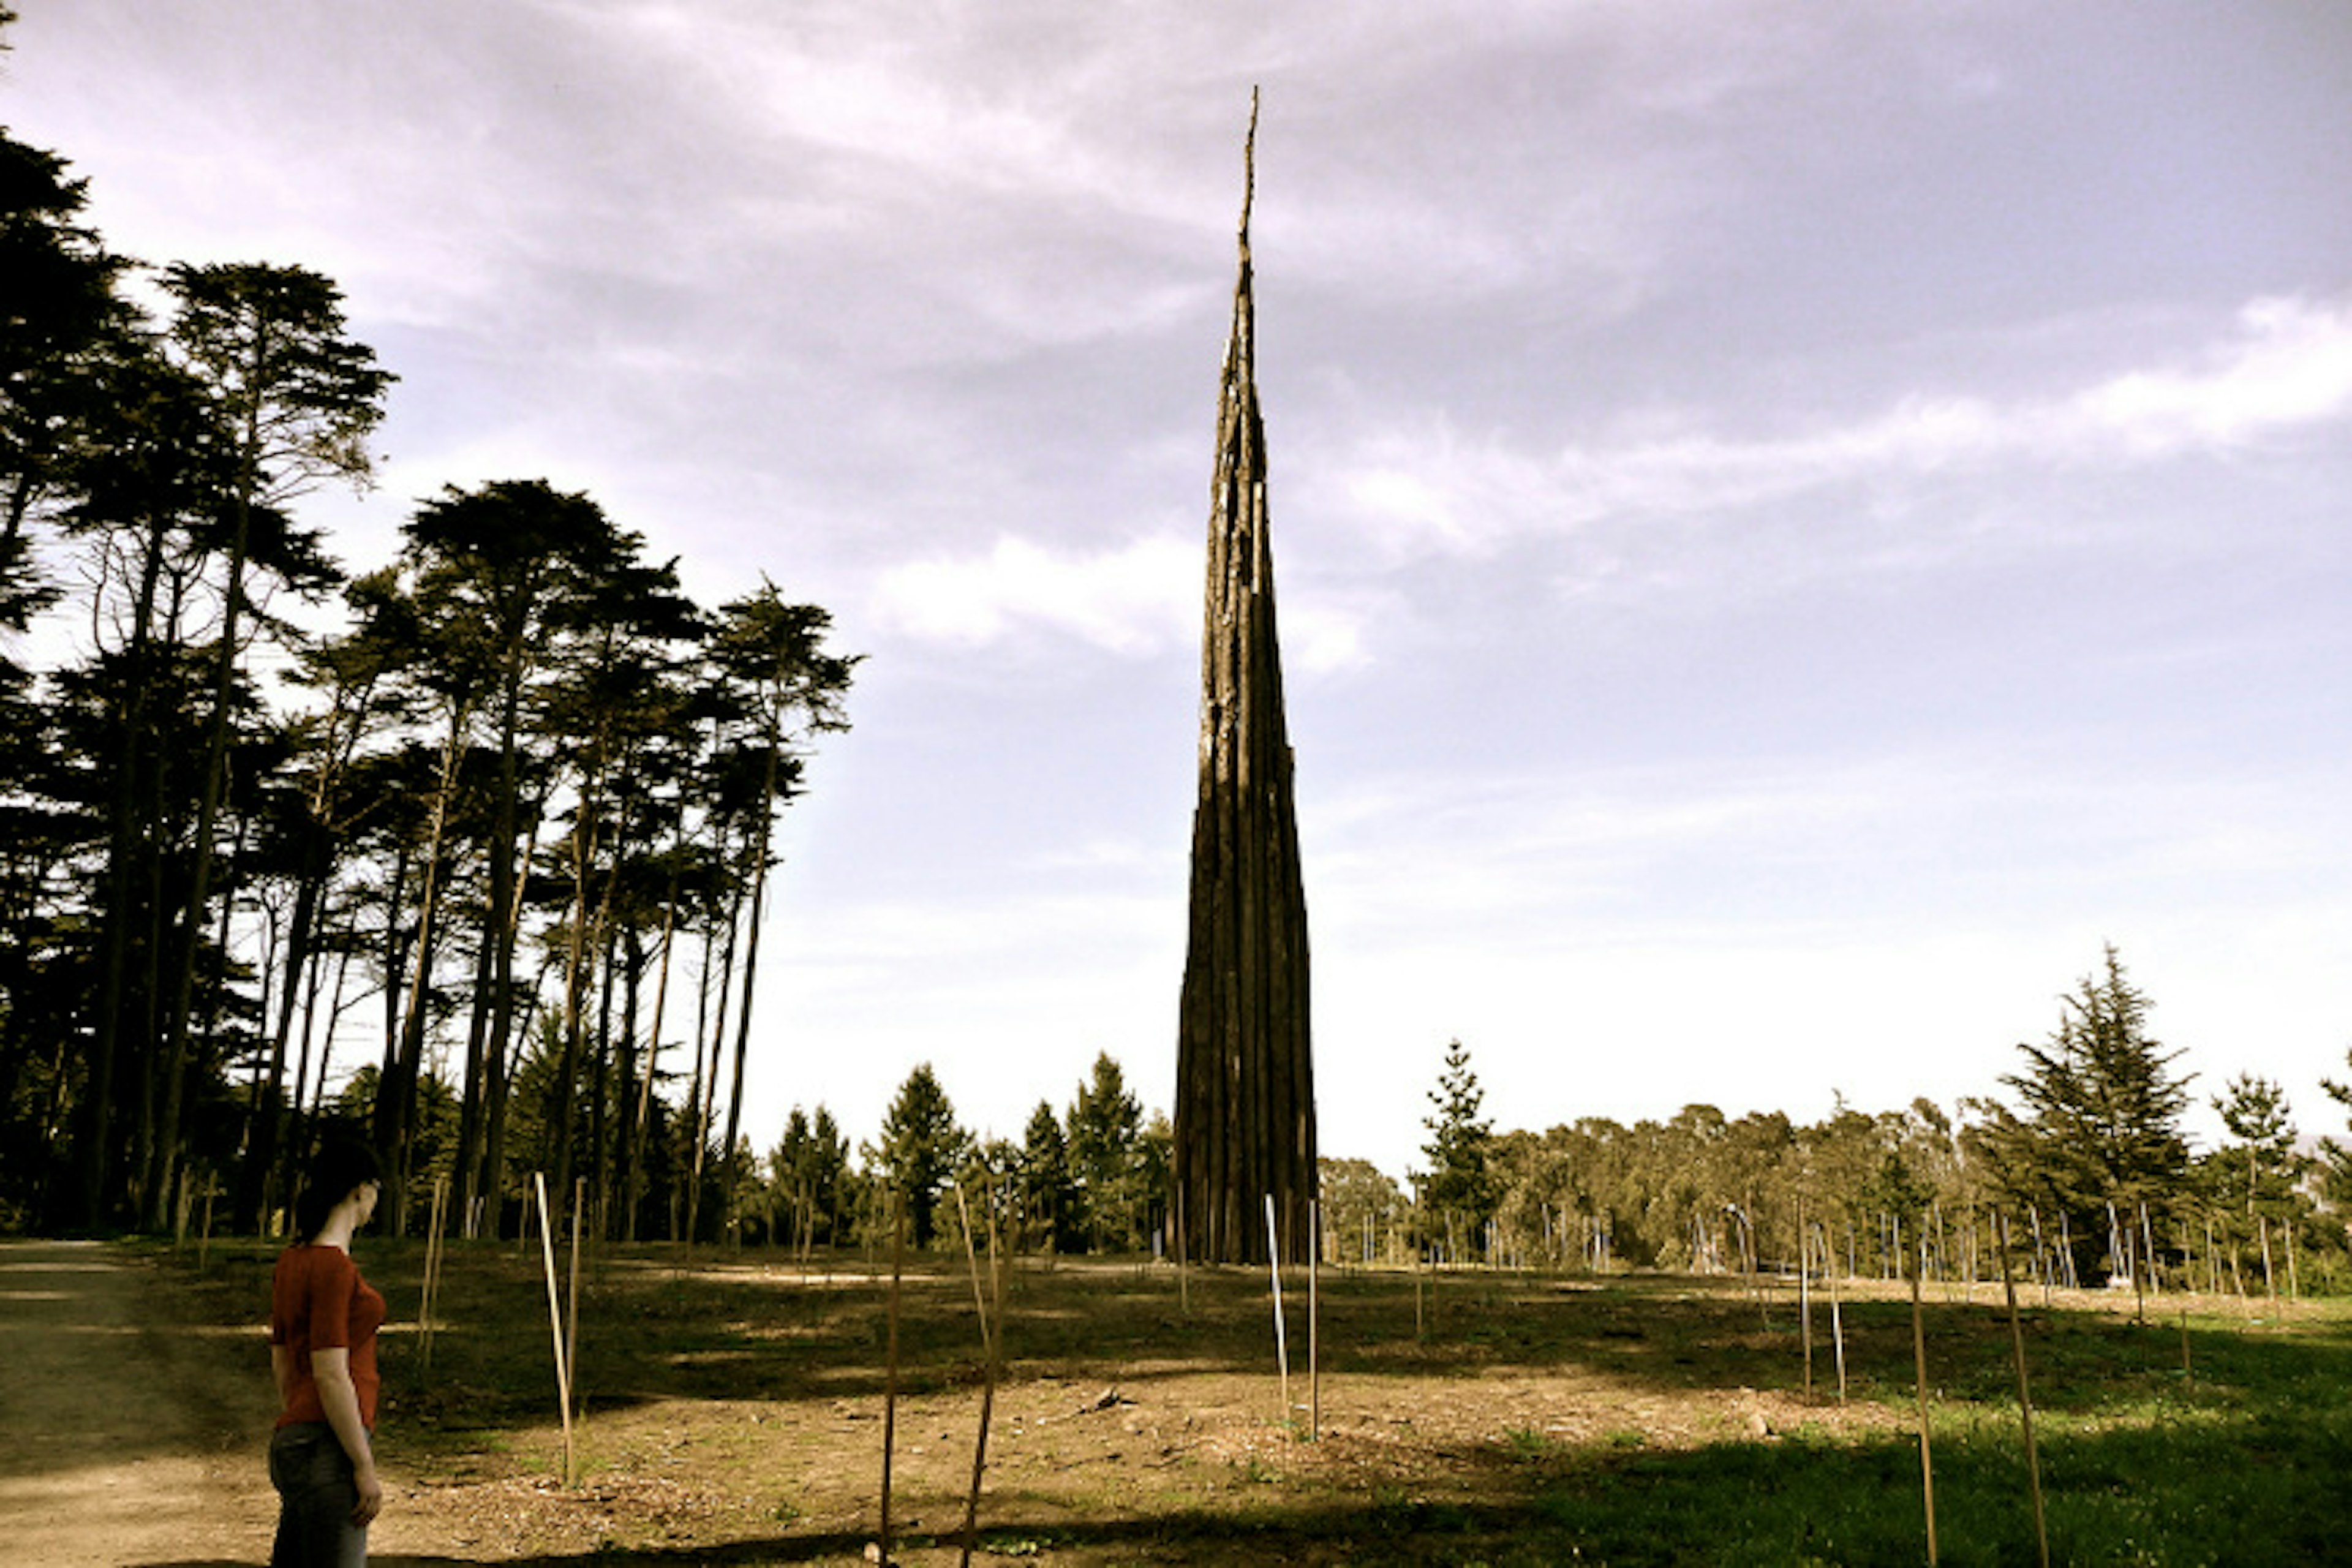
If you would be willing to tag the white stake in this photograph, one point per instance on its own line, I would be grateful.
(1281, 1345)
(555, 1320)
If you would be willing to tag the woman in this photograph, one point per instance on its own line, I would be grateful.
(324, 1320)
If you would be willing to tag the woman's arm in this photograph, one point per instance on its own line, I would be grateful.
(331, 1370)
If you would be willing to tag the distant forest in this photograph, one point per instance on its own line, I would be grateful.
(2079, 1154)
(2079, 1161)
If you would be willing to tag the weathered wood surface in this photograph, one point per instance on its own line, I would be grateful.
(1245, 1077)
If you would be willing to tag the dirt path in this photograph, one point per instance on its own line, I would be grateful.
(129, 1439)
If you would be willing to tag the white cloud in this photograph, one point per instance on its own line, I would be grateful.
(2284, 368)
(1133, 600)
(2290, 366)
(1139, 601)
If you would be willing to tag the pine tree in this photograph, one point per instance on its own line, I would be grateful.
(1048, 1198)
(921, 1147)
(2336, 1171)
(2100, 1123)
(1460, 1186)
(1106, 1130)
(2258, 1167)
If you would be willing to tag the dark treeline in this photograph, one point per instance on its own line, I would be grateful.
(1090, 1178)
(491, 823)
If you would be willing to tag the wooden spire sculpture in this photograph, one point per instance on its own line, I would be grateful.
(1244, 1076)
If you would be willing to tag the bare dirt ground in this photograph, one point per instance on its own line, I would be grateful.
(133, 1435)
(136, 1403)
(124, 1438)
(735, 1405)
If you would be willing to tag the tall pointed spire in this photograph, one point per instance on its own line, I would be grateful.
(1244, 1074)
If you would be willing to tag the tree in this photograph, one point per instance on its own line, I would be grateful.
(2255, 1174)
(620, 701)
(921, 1148)
(1459, 1189)
(809, 1166)
(142, 517)
(1361, 1204)
(770, 655)
(1899, 1192)
(354, 675)
(296, 399)
(2335, 1175)
(2098, 1134)
(63, 321)
(2257, 1168)
(1105, 1132)
(1048, 1194)
(493, 572)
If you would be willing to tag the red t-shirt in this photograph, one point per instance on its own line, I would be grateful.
(318, 1302)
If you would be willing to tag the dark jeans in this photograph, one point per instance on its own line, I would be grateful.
(316, 1495)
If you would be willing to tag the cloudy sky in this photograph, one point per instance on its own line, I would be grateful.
(1797, 520)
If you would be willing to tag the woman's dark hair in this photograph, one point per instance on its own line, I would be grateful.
(340, 1164)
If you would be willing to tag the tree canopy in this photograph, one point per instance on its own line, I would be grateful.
(489, 822)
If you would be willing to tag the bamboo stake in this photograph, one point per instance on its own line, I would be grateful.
(1837, 1323)
(432, 1290)
(1314, 1327)
(2270, 1278)
(890, 1376)
(991, 1351)
(1920, 1364)
(1183, 1247)
(1420, 1329)
(2025, 1395)
(555, 1322)
(1805, 1298)
(1281, 1342)
(571, 1302)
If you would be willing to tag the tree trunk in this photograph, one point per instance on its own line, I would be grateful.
(209, 786)
(706, 1079)
(269, 1111)
(125, 845)
(486, 1048)
(643, 1112)
(395, 1103)
(509, 1025)
(764, 819)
